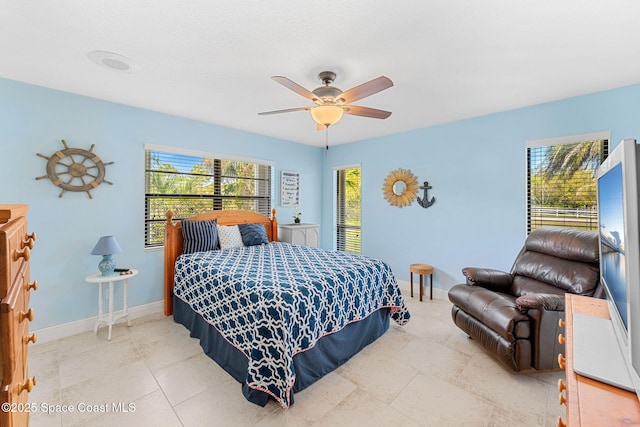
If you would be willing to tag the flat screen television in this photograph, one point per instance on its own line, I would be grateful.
(617, 186)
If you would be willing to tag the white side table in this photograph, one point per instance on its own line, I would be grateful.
(300, 234)
(110, 319)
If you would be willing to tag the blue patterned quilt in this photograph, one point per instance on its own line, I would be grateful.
(276, 300)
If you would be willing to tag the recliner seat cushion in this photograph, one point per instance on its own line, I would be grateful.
(496, 311)
(523, 285)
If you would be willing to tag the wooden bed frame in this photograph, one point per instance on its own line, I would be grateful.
(173, 240)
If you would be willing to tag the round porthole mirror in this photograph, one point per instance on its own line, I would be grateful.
(400, 187)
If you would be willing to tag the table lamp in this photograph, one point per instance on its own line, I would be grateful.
(106, 246)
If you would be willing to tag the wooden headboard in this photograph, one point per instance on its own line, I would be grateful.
(173, 240)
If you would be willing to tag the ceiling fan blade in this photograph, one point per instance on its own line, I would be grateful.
(288, 110)
(373, 113)
(289, 84)
(366, 89)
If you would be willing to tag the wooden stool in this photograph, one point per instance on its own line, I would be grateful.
(422, 269)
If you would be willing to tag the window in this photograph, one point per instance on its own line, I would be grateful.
(190, 183)
(348, 236)
(561, 184)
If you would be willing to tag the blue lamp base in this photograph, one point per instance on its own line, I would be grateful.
(106, 266)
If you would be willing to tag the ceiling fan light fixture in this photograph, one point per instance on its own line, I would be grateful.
(331, 103)
(327, 115)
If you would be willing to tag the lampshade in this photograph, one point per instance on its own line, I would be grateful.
(327, 114)
(107, 245)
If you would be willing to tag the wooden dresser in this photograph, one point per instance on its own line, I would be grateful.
(15, 314)
(590, 402)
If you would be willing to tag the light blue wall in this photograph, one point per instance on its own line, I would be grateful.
(34, 120)
(477, 169)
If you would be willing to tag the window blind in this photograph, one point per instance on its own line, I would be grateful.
(189, 184)
(561, 184)
(348, 195)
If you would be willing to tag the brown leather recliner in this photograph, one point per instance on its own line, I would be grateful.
(514, 316)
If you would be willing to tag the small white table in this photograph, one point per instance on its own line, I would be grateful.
(110, 319)
(299, 234)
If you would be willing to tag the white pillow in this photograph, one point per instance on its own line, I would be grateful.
(229, 236)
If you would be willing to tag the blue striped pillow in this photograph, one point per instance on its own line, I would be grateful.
(199, 236)
(253, 234)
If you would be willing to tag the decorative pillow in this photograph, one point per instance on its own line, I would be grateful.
(199, 236)
(229, 236)
(253, 234)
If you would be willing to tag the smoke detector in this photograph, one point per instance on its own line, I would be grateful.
(113, 61)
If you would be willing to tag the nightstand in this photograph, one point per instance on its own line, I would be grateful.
(111, 318)
(300, 234)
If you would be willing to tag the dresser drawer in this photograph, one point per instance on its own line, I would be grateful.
(15, 250)
(14, 330)
(17, 395)
(21, 282)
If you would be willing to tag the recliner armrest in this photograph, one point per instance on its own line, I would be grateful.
(550, 302)
(494, 280)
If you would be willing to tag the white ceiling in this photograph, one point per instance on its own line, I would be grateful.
(212, 60)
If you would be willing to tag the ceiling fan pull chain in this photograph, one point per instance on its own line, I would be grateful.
(326, 138)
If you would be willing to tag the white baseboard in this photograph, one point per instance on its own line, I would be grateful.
(53, 333)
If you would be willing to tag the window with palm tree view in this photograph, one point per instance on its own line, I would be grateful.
(189, 185)
(348, 236)
(561, 184)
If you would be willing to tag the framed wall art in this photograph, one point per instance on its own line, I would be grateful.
(289, 188)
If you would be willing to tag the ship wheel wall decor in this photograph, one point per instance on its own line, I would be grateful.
(75, 169)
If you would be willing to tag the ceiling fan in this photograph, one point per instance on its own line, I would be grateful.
(331, 103)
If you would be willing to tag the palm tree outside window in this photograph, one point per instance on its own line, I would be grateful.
(189, 183)
(561, 181)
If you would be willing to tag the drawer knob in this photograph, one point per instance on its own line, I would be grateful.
(562, 361)
(562, 399)
(28, 315)
(561, 339)
(28, 240)
(27, 386)
(561, 386)
(22, 253)
(561, 322)
(31, 338)
(561, 423)
(33, 286)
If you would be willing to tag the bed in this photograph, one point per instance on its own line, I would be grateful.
(275, 316)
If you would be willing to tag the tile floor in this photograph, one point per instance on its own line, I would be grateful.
(427, 373)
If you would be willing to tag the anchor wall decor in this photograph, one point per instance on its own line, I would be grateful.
(425, 202)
